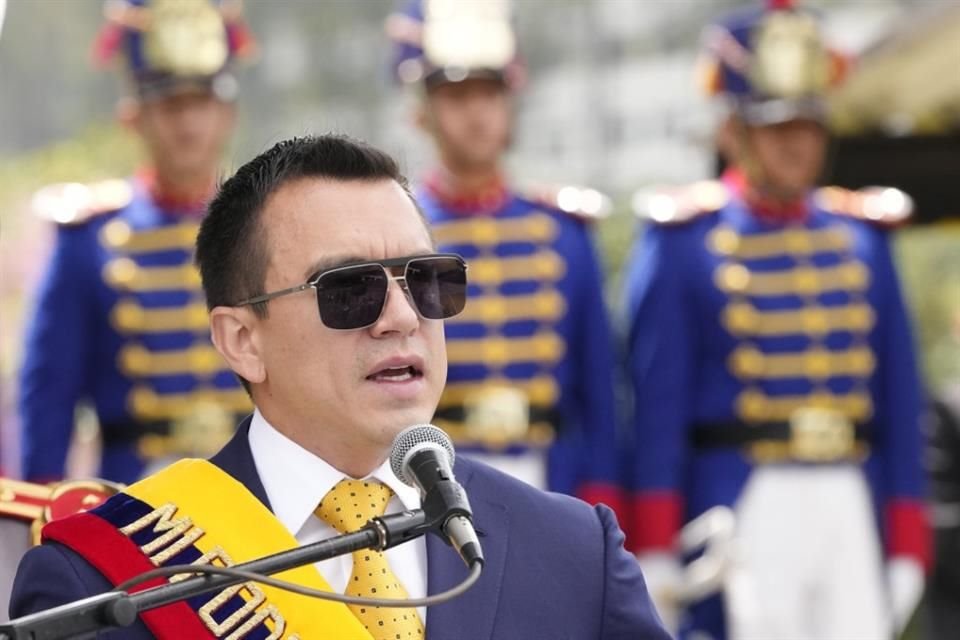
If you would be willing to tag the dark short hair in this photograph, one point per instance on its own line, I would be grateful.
(231, 246)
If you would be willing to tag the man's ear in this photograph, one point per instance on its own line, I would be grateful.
(127, 111)
(730, 139)
(421, 116)
(234, 331)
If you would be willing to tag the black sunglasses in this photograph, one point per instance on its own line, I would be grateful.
(353, 296)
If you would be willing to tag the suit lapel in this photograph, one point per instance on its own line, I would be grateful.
(235, 458)
(473, 613)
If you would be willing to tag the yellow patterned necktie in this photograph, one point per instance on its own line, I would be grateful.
(347, 508)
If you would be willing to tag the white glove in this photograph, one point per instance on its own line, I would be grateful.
(905, 580)
(663, 574)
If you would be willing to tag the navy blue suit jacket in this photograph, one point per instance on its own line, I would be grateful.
(555, 567)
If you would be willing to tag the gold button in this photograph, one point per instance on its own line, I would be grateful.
(860, 317)
(486, 271)
(547, 347)
(548, 302)
(752, 405)
(127, 316)
(798, 241)
(116, 234)
(724, 241)
(197, 315)
(734, 277)
(542, 391)
(816, 363)
(856, 276)
(204, 359)
(859, 406)
(134, 360)
(747, 362)
(495, 351)
(192, 276)
(143, 403)
(806, 280)
(493, 309)
(740, 317)
(862, 361)
(120, 272)
(815, 321)
(540, 227)
(485, 232)
(548, 266)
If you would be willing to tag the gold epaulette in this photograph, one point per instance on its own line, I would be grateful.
(680, 204)
(38, 504)
(582, 203)
(884, 206)
(73, 203)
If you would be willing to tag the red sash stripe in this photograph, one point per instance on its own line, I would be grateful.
(119, 559)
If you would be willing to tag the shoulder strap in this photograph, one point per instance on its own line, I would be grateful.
(679, 205)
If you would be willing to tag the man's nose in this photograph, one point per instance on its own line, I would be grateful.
(399, 311)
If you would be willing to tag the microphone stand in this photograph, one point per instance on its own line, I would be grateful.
(84, 618)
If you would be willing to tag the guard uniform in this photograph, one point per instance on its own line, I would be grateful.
(773, 370)
(529, 387)
(120, 319)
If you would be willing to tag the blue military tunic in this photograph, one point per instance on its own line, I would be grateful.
(530, 360)
(120, 321)
(737, 322)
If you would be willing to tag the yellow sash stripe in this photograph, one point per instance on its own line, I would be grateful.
(488, 232)
(118, 235)
(128, 316)
(125, 274)
(544, 266)
(222, 519)
(544, 306)
(800, 281)
(743, 319)
(817, 364)
(799, 242)
(754, 405)
(201, 359)
(540, 390)
(149, 405)
(544, 347)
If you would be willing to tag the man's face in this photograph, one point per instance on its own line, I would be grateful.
(470, 122)
(338, 393)
(789, 156)
(185, 133)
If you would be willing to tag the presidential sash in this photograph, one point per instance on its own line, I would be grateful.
(195, 513)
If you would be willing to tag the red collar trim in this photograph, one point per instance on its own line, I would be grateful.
(485, 200)
(766, 209)
(176, 204)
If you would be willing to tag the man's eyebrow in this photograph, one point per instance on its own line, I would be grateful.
(329, 262)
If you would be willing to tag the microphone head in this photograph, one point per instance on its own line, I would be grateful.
(413, 439)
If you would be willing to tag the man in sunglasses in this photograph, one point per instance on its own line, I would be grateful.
(530, 386)
(119, 320)
(327, 298)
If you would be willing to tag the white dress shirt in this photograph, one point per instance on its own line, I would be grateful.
(296, 480)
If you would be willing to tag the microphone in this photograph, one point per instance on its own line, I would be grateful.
(422, 456)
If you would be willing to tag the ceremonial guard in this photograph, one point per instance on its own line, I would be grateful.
(120, 319)
(530, 385)
(26, 507)
(773, 365)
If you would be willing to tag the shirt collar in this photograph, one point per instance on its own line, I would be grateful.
(295, 479)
